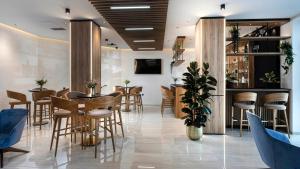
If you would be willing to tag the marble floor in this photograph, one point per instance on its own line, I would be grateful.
(150, 142)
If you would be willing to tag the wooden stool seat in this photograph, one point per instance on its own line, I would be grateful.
(62, 113)
(43, 102)
(19, 102)
(274, 106)
(101, 113)
(244, 106)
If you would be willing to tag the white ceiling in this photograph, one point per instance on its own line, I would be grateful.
(38, 16)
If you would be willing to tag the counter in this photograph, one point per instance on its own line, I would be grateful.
(260, 93)
(178, 90)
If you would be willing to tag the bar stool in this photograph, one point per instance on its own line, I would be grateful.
(243, 101)
(42, 100)
(117, 109)
(97, 109)
(123, 91)
(66, 109)
(277, 102)
(62, 93)
(167, 99)
(20, 99)
(135, 98)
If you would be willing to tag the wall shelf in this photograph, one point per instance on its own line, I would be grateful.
(178, 51)
(262, 38)
(178, 62)
(255, 54)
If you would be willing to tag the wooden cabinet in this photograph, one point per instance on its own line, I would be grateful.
(178, 91)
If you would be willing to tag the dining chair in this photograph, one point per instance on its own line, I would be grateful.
(97, 109)
(66, 109)
(62, 93)
(167, 99)
(123, 91)
(42, 100)
(19, 99)
(277, 103)
(117, 111)
(244, 101)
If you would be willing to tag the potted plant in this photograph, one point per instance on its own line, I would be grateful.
(92, 86)
(126, 82)
(235, 34)
(270, 80)
(197, 98)
(230, 79)
(287, 50)
(41, 83)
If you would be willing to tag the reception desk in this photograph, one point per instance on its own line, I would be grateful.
(178, 90)
(260, 93)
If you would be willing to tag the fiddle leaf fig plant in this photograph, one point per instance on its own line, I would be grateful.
(198, 94)
(287, 50)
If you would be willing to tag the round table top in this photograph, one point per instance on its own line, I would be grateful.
(37, 90)
(88, 96)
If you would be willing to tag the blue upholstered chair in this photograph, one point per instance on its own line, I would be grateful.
(12, 122)
(274, 148)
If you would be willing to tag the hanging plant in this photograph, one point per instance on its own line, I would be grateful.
(235, 34)
(287, 50)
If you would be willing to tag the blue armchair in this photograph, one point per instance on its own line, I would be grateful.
(274, 148)
(12, 122)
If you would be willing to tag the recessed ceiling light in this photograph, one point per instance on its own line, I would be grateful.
(146, 48)
(130, 7)
(139, 29)
(141, 41)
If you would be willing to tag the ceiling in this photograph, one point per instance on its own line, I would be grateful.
(38, 16)
(120, 19)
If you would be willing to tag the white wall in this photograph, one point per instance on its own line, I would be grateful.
(25, 58)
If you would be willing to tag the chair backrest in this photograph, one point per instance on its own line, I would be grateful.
(62, 93)
(17, 96)
(166, 93)
(60, 103)
(262, 140)
(279, 98)
(117, 98)
(73, 94)
(43, 94)
(134, 91)
(120, 89)
(104, 102)
(245, 97)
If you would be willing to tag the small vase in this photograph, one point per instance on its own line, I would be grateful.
(194, 133)
(93, 91)
(41, 88)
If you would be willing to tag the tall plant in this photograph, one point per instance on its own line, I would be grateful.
(198, 94)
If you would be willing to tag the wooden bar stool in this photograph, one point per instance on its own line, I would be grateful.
(123, 91)
(66, 109)
(243, 101)
(117, 109)
(19, 99)
(42, 100)
(134, 98)
(167, 99)
(97, 109)
(277, 102)
(62, 93)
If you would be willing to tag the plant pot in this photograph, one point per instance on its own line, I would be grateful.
(194, 133)
(41, 88)
(93, 91)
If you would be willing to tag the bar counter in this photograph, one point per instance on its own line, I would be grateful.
(260, 92)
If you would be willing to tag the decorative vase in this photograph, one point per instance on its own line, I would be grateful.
(93, 91)
(194, 133)
(41, 87)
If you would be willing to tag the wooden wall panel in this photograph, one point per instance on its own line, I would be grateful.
(211, 48)
(85, 54)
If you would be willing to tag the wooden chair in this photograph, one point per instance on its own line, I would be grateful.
(140, 98)
(117, 109)
(19, 99)
(135, 98)
(277, 102)
(123, 91)
(66, 109)
(244, 101)
(97, 109)
(62, 93)
(42, 100)
(167, 99)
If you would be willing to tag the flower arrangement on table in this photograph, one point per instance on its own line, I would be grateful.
(92, 85)
(126, 82)
(41, 83)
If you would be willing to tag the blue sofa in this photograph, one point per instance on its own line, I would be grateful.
(274, 148)
(12, 122)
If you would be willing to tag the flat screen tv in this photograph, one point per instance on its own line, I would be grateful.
(147, 66)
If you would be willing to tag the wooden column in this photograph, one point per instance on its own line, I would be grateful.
(85, 54)
(210, 47)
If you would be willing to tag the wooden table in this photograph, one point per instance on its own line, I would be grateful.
(127, 98)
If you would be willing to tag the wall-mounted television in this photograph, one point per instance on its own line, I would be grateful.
(147, 66)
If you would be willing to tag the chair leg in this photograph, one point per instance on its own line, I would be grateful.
(57, 135)
(67, 123)
(241, 122)
(112, 134)
(162, 108)
(274, 119)
(53, 132)
(41, 116)
(34, 113)
(96, 135)
(287, 123)
(105, 129)
(115, 121)
(29, 113)
(232, 114)
(1, 158)
(121, 122)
